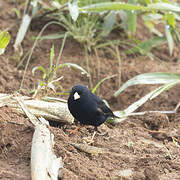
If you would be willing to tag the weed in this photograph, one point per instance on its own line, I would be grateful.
(49, 79)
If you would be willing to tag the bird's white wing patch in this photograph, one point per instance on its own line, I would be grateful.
(76, 96)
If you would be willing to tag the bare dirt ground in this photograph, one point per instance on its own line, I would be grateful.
(142, 144)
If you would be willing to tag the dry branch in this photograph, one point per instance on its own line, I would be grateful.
(57, 111)
(44, 163)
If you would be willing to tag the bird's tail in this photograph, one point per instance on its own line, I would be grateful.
(114, 116)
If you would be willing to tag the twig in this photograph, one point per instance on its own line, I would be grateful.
(154, 131)
(176, 108)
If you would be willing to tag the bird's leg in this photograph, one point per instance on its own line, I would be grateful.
(93, 136)
(75, 131)
(90, 141)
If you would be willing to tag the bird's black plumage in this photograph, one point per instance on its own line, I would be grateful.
(88, 108)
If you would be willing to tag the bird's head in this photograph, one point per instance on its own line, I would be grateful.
(78, 91)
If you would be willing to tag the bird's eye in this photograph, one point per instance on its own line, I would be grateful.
(79, 92)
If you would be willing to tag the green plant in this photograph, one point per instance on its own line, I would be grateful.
(49, 76)
(89, 30)
(92, 27)
(100, 82)
(4, 40)
(152, 12)
(168, 79)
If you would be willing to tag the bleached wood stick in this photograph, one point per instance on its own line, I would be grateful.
(44, 163)
(57, 111)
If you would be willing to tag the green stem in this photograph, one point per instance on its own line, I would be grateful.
(32, 49)
(99, 66)
(61, 50)
(87, 66)
(120, 66)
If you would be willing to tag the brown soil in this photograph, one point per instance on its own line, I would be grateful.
(143, 144)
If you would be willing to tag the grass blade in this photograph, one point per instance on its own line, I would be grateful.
(4, 41)
(149, 78)
(108, 6)
(163, 7)
(74, 66)
(169, 38)
(101, 81)
(50, 36)
(22, 31)
(40, 68)
(143, 100)
(131, 18)
(146, 46)
(51, 59)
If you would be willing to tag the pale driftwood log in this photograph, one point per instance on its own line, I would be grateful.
(44, 163)
(57, 111)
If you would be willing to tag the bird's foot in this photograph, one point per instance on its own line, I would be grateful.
(74, 131)
(88, 140)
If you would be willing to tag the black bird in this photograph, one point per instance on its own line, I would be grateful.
(87, 108)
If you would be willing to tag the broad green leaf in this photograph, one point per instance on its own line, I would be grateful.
(109, 22)
(131, 18)
(39, 68)
(146, 2)
(83, 71)
(152, 17)
(4, 41)
(145, 46)
(150, 78)
(100, 82)
(143, 100)
(163, 7)
(88, 2)
(108, 6)
(169, 38)
(170, 19)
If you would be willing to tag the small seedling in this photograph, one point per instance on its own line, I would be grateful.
(49, 79)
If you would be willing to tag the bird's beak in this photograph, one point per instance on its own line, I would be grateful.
(76, 96)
